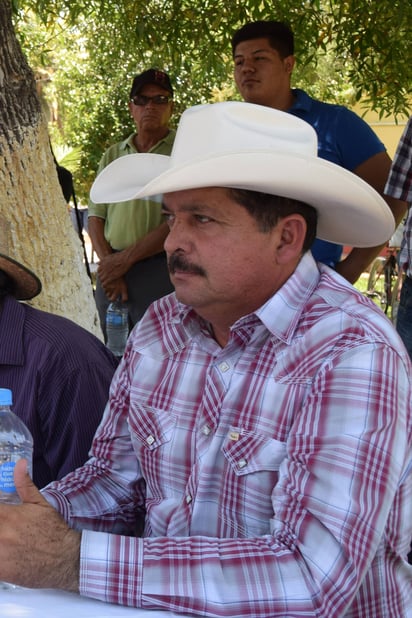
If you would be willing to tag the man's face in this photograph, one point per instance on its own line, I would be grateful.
(261, 75)
(152, 116)
(220, 263)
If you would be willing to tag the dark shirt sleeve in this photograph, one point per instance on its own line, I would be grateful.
(70, 413)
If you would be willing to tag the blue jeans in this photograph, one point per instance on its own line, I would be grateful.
(404, 316)
(404, 328)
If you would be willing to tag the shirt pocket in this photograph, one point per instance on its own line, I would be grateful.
(150, 428)
(153, 435)
(252, 470)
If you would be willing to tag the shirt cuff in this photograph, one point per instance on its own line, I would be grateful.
(111, 568)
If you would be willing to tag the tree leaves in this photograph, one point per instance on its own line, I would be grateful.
(346, 50)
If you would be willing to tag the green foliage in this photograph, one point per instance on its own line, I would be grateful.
(89, 51)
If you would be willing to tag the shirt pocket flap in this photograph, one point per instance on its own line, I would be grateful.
(152, 428)
(249, 452)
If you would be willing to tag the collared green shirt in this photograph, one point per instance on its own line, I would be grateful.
(128, 222)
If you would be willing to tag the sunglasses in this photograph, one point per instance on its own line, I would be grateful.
(158, 99)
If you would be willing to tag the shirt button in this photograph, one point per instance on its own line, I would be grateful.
(242, 463)
(206, 430)
(149, 440)
(188, 499)
(224, 366)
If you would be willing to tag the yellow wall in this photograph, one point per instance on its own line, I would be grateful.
(388, 131)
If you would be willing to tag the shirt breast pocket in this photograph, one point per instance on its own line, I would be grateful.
(252, 470)
(151, 433)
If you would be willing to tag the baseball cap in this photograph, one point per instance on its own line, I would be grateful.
(151, 76)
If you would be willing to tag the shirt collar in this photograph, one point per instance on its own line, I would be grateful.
(302, 101)
(128, 144)
(282, 312)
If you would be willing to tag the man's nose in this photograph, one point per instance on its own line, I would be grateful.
(247, 66)
(176, 238)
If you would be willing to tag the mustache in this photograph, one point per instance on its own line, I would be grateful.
(178, 262)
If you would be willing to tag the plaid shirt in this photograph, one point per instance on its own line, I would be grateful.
(399, 185)
(277, 470)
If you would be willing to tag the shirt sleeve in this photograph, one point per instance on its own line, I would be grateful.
(99, 210)
(355, 139)
(113, 152)
(345, 456)
(107, 493)
(74, 375)
(70, 417)
(399, 184)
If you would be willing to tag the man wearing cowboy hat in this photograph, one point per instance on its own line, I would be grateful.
(58, 372)
(259, 424)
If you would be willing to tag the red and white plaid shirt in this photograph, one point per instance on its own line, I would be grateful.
(399, 185)
(277, 470)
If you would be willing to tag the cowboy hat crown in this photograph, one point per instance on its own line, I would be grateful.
(247, 146)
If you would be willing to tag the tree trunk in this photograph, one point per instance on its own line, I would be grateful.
(42, 236)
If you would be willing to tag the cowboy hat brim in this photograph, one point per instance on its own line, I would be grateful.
(350, 211)
(26, 284)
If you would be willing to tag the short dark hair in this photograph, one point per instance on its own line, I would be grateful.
(268, 209)
(278, 33)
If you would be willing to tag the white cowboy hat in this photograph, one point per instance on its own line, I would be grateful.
(247, 146)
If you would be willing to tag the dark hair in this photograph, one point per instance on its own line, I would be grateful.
(6, 285)
(268, 209)
(278, 33)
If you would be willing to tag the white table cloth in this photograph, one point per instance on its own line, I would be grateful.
(25, 603)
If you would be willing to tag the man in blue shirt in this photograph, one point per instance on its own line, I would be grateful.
(263, 53)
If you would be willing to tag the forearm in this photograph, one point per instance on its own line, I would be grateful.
(374, 171)
(96, 233)
(359, 259)
(357, 262)
(149, 245)
(116, 265)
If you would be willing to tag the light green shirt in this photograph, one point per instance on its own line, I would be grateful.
(128, 222)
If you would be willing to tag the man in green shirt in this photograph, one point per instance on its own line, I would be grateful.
(128, 237)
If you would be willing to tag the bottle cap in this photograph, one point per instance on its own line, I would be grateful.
(5, 397)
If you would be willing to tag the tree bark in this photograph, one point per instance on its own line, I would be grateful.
(42, 236)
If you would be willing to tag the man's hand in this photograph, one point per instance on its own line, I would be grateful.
(116, 288)
(37, 548)
(113, 267)
(112, 282)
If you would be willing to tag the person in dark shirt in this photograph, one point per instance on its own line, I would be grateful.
(58, 372)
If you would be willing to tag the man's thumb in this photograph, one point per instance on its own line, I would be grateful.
(25, 487)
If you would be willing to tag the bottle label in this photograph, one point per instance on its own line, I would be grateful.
(115, 320)
(7, 477)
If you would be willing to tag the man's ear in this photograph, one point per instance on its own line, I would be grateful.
(289, 63)
(292, 231)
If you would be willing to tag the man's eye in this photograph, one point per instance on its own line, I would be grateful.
(203, 219)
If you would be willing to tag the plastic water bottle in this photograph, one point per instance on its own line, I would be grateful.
(117, 327)
(16, 443)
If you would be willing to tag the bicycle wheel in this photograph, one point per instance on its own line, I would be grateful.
(376, 283)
